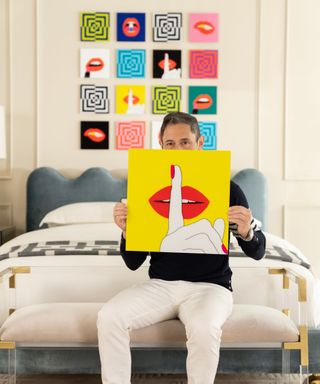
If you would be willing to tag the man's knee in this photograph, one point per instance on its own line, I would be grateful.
(203, 333)
(110, 316)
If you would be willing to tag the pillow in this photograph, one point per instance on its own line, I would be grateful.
(80, 213)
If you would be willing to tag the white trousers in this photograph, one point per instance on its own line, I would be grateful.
(202, 308)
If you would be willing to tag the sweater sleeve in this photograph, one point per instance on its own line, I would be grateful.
(255, 248)
(132, 259)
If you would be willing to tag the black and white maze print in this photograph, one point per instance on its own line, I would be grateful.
(94, 99)
(167, 26)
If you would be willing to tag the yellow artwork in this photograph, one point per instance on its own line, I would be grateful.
(178, 201)
(130, 99)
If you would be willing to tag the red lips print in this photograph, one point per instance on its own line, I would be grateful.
(193, 202)
(94, 64)
(172, 64)
(202, 101)
(135, 99)
(95, 134)
(204, 27)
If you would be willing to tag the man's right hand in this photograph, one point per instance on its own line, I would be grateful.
(120, 212)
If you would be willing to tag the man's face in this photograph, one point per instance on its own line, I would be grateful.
(179, 136)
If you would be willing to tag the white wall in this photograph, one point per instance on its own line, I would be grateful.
(267, 97)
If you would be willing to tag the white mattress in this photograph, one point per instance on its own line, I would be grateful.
(97, 278)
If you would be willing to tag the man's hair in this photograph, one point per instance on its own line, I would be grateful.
(180, 118)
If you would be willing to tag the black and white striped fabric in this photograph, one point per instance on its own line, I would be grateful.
(105, 248)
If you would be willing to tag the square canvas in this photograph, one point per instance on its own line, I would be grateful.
(166, 99)
(167, 64)
(94, 99)
(202, 100)
(167, 26)
(131, 63)
(175, 205)
(130, 99)
(130, 134)
(208, 129)
(155, 131)
(203, 64)
(94, 63)
(131, 26)
(204, 27)
(94, 134)
(94, 26)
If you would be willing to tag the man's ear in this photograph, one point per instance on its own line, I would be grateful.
(200, 142)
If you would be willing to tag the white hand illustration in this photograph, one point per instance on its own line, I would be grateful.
(167, 74)
(134, 109)
(198, 237)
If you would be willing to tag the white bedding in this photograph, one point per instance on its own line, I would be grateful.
(103, 276)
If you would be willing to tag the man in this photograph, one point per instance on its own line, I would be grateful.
(196, 288)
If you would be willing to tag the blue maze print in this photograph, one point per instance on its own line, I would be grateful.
(208, 131)
(131, 63)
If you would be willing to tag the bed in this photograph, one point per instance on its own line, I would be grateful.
(74, 258)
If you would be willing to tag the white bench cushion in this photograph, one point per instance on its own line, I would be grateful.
(76, 323)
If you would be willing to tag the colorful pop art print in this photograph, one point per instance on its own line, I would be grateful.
(131, 26)
(202, 100)
(94, 63)
(94, 26)
(208, 129)
(130, 99)
(203, 64)
(155, 132)
(94, 134)
(131, 63)
(204, 27)
(174, 206)
(167, 26)
(130, 134)
(167, 64)
(94, 99)
(166, 99)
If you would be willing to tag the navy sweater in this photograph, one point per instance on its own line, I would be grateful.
(197, 267)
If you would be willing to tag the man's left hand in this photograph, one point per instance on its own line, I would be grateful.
(242, 217)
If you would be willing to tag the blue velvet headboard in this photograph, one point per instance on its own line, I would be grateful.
(47, 189)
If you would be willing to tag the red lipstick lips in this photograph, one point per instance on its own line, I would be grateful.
(193, 202)
(95, 134)
(204, 27)
(203, 101)
(94, 64)
(135, 99)
(172, 64)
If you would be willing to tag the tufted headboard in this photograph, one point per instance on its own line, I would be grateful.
(47, 189)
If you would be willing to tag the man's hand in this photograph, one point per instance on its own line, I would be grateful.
(242, 217)
(198, 237)
(120, 212)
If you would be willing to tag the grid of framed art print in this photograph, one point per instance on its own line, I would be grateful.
(136, 67)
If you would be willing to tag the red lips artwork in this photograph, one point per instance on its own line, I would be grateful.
(193, 202)
(204, 27)
(95, 64)
(95, 134)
